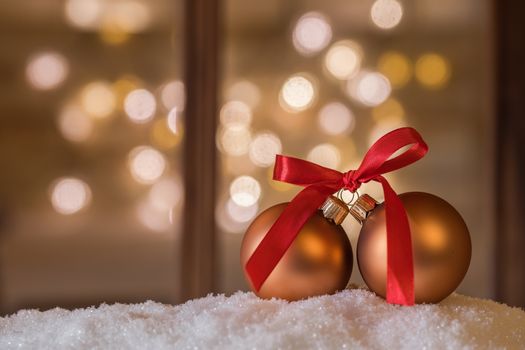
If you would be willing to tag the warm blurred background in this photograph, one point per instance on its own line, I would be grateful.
(109, 108)
(90, 146)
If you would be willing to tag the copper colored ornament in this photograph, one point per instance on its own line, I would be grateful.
(440, 243)
(319, 260)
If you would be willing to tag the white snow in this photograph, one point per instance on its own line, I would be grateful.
(350, 319)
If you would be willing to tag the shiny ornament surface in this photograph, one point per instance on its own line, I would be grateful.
(319, 261)
(440, 243)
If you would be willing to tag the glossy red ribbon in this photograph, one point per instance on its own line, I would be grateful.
(321, 182)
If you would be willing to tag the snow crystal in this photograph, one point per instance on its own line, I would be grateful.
(354, 319)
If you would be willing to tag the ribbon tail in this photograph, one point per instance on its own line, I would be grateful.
(400, 267)
(283, 232)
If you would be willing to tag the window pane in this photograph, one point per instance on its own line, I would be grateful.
(323, 80)
(90, 144)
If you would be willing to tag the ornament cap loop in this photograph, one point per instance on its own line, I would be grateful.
(334, 210)
(362, 207)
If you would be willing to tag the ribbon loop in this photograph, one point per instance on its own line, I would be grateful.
(321, 182)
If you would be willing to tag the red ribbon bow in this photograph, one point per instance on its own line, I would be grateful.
(321, 182)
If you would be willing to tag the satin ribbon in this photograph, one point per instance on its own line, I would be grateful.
(321, 182)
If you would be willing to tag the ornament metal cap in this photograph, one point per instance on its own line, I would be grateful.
(362, 207)
(334, 210)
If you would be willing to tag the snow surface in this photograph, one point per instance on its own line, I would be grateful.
(354, 319)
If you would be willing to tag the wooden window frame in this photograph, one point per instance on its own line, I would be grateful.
(510, 152)
(198, 250)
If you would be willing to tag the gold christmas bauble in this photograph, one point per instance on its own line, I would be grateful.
(319, 260)
(440, 243)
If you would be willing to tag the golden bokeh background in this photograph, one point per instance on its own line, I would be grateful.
(92, 130)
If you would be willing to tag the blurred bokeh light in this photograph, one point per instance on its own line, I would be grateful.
(140, 106)
(241, 213)
(311, 33)
(235, 113)
(369, 88)
(70, 195)
(74, 124)
(245, 191)
(386, 14)
(173, 95)
(235, 140)
(432, 70)
(396, 67)
(84, 14)
(264, 147)
(343, 59)
(162, 133)
(165, 194)
(146, 164)
(98, 99)
(47, 70)
(297, 93)
(326, 155)
(335, 118)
